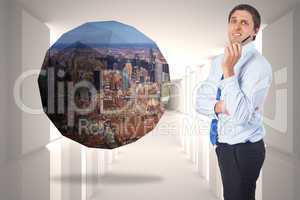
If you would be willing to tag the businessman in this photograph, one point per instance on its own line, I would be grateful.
(233, 96)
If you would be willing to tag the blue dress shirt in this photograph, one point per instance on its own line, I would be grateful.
(243, 95)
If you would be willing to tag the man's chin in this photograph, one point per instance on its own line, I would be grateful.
(232, 41)
(235, 40)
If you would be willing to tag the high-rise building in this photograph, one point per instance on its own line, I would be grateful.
(125, 79)
(165, 73)
(98, 80)
(158, 72)
(152, 65)
(128, 67)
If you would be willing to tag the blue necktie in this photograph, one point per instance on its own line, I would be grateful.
(214, 122)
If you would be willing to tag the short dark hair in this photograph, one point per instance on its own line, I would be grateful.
(253, 11)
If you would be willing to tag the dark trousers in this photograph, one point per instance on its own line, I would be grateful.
(240, 165)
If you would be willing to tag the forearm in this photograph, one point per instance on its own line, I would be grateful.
(236, 104)
(206, 106)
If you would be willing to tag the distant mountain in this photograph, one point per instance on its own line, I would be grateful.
(82, 54)
(105, 34)
(78, 45)
(80, 49)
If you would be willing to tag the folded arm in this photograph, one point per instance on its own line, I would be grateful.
(242, 100)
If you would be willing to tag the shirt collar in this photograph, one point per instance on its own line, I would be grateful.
(248, 47)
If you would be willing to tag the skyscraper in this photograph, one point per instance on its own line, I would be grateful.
(125, 79)
(159, 72)
(97, 80)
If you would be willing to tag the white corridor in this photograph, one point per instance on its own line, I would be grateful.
(155, 167)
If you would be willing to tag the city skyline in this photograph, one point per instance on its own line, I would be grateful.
(104, 96)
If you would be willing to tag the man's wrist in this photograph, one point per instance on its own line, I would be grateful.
(228, 73)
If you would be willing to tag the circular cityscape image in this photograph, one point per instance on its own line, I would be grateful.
(104, 84)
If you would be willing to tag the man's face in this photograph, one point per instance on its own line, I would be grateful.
(240, 26)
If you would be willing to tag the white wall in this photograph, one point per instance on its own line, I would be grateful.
(296, 74)
(278, 117)
(281, 169)
(3, 79)
(3, 90)
(14, 60)
(35, 42)
(28, 42)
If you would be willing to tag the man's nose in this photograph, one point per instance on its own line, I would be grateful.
(237, 26)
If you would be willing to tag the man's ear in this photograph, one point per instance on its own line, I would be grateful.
(256, 32)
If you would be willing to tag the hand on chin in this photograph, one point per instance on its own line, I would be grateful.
(236, 40)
